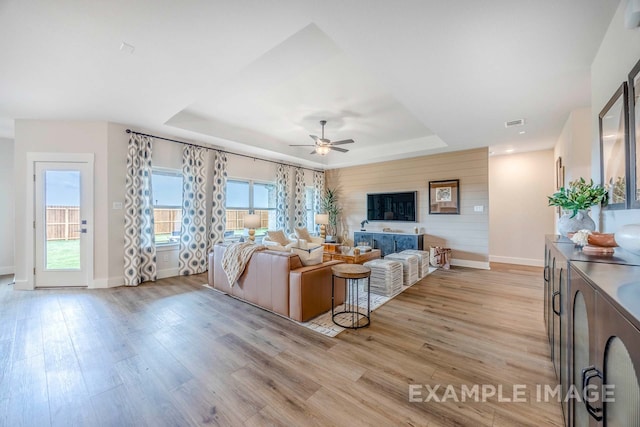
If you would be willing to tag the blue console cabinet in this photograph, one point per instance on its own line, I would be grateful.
(389, 243)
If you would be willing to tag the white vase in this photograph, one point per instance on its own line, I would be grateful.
(628, 238)
(581, 221)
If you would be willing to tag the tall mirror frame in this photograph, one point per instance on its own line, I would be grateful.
(634, 135)
(614, 148)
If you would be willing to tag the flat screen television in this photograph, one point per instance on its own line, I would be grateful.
(392, 206)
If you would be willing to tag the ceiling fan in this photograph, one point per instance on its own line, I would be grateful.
(323, 145)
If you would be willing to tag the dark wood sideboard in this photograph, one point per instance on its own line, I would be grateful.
(592, 318)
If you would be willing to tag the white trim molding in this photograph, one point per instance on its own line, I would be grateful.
(7, 270)
(519, 261)
(481, 265)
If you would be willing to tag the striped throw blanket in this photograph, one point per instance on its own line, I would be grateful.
(236, 257)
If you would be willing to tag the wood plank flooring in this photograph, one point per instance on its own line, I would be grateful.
(177, 354)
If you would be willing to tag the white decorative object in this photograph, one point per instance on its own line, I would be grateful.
(628, 238)
(423, 264)
(409, 266)
(386, 276)
(581, 237)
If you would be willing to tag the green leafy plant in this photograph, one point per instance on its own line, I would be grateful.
(329, 204)
(579, 195)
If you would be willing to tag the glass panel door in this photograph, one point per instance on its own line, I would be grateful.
(62, 219)
(63, 200)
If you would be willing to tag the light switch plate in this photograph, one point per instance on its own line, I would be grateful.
(478, 208)
(117, 205)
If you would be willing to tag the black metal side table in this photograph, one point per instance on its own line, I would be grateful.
(351, 317)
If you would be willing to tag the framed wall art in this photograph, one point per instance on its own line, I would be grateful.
(444, 197)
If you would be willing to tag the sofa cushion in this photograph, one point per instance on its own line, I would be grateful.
(309, 256)
(278, 237)
(303, 233)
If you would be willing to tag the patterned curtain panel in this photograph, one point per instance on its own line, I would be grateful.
(318, 193)
(192, 258)
(300, 206)
(139, 237)
(283, 195)
(219, 208)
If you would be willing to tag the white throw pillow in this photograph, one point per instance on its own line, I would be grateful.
(309, 256)
(278, 236)
(303, 233)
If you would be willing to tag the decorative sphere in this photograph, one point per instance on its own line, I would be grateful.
(628, 238)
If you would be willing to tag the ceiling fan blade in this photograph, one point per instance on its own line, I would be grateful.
(301, 145)
(344, 141)
(315, 138)
(313, 152)
(342, 150)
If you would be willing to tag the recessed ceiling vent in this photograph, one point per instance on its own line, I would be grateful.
(514, 123)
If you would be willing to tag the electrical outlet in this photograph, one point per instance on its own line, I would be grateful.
(117, 205)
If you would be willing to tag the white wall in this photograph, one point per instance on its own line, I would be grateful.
(42, 136)
(7, 185)
(574, 148)
(519, 216)
(574, 145)
(618, 53)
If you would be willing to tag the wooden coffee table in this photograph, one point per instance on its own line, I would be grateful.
(351, 258)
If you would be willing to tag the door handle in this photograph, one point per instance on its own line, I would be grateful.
(586, 379)
(553, 302)
(546, 273)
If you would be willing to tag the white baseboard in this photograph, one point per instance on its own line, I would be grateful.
(7, 270)
(472, 264)
(23, 285)
(169, 272)
(514, 260)
(114, 282)
(110, 282)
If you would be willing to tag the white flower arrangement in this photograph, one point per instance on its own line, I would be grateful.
(581, 238)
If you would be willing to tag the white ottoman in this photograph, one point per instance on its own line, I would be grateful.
(423, 264)
(409, 266)
(386, 276)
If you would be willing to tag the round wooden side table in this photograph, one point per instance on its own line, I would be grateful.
(351, 317)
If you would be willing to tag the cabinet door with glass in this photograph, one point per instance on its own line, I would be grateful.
(617, 368)
(582, 339)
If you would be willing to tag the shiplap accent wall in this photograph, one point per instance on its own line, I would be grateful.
(466, 234)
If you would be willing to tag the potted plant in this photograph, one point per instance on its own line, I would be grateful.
(575, 200)
(329, 203)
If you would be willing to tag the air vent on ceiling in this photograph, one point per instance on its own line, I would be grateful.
(512, 123)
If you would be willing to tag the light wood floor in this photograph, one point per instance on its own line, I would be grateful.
(176, 353)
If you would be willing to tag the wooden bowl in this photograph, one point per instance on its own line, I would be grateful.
(604, 240)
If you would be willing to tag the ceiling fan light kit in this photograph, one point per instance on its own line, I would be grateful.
(323, 145)
(322, 150)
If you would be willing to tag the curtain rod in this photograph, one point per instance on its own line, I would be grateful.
(222, 151)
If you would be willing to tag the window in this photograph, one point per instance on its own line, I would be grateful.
(310, 202)
(167, 205)
(244, 196)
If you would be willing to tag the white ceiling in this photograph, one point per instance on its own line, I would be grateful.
(402, 78)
